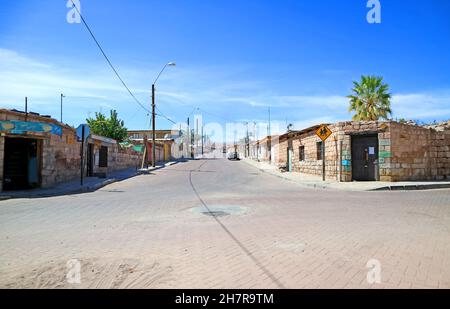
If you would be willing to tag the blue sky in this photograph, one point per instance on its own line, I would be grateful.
(234, 58)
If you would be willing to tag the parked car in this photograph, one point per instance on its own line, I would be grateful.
(233, 156)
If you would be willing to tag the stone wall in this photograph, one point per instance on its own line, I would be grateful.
(123, 158)
(418, 153)
(311, 165)
(406, 152)
(345, 132)
(119, 158)
(2, 152)
(60, 158)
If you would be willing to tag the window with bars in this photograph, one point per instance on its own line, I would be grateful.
(301, 152)
(319, 151)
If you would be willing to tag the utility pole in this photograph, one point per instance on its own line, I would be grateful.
(83, 137)
(26, 109)
(192, 142)
(154, 114)
(255, 138)
(203, 140)
(196, 139)
(270, 138)
(247, 144)
(153, 128)
(62, 97)
(188, 136)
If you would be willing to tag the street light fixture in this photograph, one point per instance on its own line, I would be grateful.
(171, 64)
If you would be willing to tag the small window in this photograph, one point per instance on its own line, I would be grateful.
(301, 151)
(103, 160)
(319, 151)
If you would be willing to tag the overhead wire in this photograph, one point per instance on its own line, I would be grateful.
(107, 58)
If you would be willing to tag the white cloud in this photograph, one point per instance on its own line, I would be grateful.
(90, 88)
(422, 106)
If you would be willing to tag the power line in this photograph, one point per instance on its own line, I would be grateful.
(107, 59)
(216, 116)
(164, 116)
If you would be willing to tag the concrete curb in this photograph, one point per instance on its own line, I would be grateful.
(304, 185)
(413, 187)
(88, 189)
(328, 186)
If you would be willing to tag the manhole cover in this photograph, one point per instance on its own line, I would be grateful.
(219, 210)
(216, 214)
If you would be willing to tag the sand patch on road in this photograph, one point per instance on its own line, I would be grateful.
(95, 274)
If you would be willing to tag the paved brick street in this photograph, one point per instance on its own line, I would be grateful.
(150, 232)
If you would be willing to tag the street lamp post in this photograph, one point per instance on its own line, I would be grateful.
(62, 97)
(154, 114)
(190, 144)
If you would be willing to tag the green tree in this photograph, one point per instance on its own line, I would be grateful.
(111, 127)
(370, 100)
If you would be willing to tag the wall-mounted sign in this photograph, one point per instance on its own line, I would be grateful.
(22, 127)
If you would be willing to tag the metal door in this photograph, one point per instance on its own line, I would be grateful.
(365, 157)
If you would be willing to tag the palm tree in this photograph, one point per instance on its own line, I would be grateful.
(370, 100)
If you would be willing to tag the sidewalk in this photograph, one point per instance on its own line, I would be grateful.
(311, 181)
(91, 184)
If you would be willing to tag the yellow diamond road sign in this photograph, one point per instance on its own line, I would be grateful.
(324, 133)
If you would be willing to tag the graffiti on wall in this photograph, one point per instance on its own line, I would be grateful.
(22, 127)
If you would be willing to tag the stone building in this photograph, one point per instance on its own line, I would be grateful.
(266, 150)
(104, 156)
(169, 144)
(369, 151)
(39, 152)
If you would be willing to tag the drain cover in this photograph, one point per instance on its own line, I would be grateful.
(219, 210)
(216, 214)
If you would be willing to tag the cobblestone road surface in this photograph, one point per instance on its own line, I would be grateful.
(150, 232)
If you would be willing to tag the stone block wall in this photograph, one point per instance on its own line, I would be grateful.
(346, 130)
(123, 158)
(2, 152)
(406, 152)
(442, 141)
(311, 165)
(419, 153)
(279, 157)
(119, 158)
(60, 155)
(60, 158)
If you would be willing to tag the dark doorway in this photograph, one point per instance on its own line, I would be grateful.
(90, 160)
(22, 164)
(365, 157)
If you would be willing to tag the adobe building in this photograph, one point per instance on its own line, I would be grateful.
(39, 152)
(369, 151)
(104, 156)
(168, 144)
